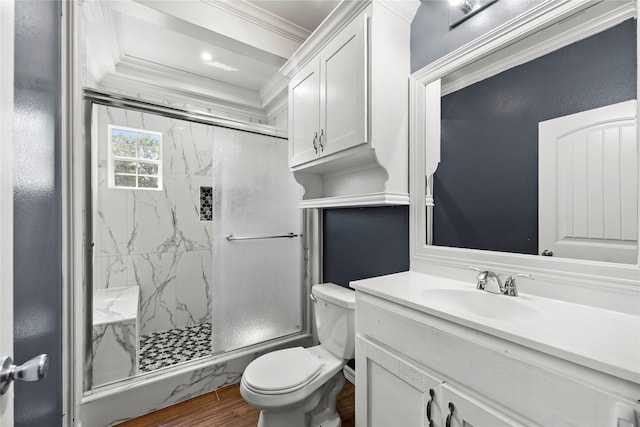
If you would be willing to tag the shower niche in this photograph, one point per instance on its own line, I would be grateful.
(168, 288)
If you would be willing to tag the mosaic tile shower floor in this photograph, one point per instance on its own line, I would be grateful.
(166, 348)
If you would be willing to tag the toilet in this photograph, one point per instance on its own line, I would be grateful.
(299, 386)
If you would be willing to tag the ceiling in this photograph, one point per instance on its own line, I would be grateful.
(225, 53)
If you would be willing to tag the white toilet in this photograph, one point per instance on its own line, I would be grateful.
(299, 386)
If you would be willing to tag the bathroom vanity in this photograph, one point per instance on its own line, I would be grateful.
(436, 351)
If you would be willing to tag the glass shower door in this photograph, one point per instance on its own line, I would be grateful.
(257, 283)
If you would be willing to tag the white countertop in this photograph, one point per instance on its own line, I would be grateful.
(604, 340)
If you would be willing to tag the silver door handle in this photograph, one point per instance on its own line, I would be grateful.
(32, 370)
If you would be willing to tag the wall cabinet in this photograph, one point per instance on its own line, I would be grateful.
(327, 98)
(416, 369)
(348, 106)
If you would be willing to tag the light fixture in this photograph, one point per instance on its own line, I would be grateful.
(461, 10)
(206, 56)
(464, 5)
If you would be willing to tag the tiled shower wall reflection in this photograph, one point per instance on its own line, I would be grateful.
(156, 239)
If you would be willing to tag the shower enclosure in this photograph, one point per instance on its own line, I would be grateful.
(197, 247)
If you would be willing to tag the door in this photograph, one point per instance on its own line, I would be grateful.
(31, 103)
(257, 291)
(304, 112)
(343, 94)
(391, 391)
(6, 199)
(588, 180)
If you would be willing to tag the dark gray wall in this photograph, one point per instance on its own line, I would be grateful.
(364, 242)
(431, 37)
(353, 247)
(486, 186)
(37, 204)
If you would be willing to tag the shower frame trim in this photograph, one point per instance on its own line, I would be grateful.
(80, 218)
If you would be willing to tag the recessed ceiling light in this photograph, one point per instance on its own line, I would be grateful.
(206, 56)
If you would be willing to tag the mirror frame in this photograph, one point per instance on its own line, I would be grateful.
(515, 42)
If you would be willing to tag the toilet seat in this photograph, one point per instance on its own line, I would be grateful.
(282, 371)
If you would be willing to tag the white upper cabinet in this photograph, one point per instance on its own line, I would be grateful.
(304, 99)
(327, 98)
(348, 106)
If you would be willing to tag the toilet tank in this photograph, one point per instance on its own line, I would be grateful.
(335, 318)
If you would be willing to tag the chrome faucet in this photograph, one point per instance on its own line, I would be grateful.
(509, 287)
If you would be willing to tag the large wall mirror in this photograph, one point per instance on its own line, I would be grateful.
(525, 144)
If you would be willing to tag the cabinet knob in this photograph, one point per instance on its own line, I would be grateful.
(450, 416)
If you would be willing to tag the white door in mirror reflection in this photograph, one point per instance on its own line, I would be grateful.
(588, 184)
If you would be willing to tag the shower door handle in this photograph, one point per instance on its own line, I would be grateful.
(32, 370)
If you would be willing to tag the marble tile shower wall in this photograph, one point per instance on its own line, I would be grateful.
(155, 239)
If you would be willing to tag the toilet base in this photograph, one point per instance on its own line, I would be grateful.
(318, 410)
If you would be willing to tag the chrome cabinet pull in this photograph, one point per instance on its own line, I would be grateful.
(429, 403)
(320, 139)
(451, 410)
(315, 146)
(547, 252)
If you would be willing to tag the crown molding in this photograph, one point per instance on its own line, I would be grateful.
(148, 91)
(260, 17)
(405, 9)
(277, 106)
(186, 82)
(273, 88)
(334, 23)
(106, 50)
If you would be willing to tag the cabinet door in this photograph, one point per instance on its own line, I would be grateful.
(343, 94)
(304, 112)
(391, 392)
(460, 410)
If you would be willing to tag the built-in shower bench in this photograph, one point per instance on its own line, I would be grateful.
(115, 334)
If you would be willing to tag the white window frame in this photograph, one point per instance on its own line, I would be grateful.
(113, 158)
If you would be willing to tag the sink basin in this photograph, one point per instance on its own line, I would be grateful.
(480, 303)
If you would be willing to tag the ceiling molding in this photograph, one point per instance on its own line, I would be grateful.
(274, 88)
(405, 9)
(104, 48)
(257, 16)
(277, 106)
(148, 90)
(336, 21)
(227, 23)
(187, 82)
(145, 13)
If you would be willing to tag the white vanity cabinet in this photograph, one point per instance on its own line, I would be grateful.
(327, 98)
(398, 393)
(405, 354)
(349, 105)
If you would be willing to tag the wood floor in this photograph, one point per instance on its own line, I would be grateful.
(225, 407)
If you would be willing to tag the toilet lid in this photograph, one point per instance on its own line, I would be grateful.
(282, 371)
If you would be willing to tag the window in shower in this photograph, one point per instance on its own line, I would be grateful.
(135, 158)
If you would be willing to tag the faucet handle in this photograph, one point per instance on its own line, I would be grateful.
(510, 284)
(482, 278)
